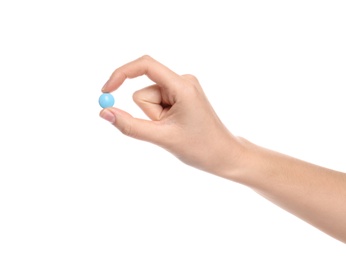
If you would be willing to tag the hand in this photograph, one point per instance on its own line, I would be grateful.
(182, 120)
(184, 123)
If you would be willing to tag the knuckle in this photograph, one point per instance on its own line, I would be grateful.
(191, 84)
(136, 95)
(146, 57)
(191, 78)
(126, 130)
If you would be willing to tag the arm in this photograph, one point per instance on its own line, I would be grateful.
(184, 123)
(312, 193)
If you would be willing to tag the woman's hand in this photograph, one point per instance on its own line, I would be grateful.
(182, 120)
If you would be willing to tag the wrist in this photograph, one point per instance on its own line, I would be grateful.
(244, 162)
(232, 162)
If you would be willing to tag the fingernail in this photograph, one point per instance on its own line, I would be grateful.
(104, 86)
(107, 115)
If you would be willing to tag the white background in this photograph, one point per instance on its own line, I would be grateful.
(73, 187)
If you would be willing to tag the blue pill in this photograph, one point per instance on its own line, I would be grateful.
(106, 100)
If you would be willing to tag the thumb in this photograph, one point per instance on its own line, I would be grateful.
(151, 131)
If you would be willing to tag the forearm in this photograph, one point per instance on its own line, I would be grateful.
(312, 193)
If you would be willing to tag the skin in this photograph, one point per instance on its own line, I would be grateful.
(183, 122)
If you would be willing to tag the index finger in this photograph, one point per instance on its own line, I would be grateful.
(145, 65)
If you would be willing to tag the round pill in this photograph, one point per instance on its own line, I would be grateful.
(106, 100)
